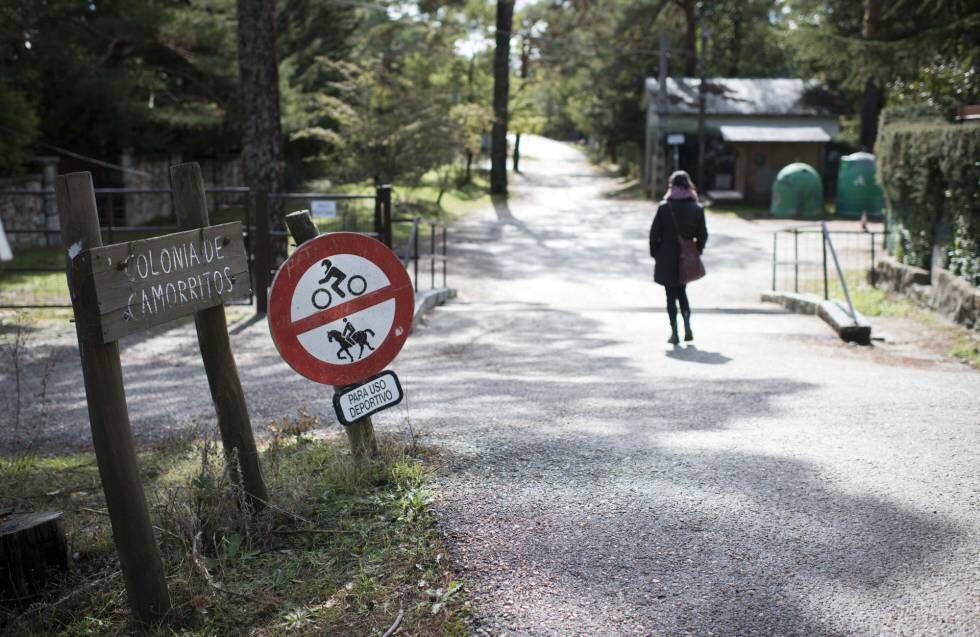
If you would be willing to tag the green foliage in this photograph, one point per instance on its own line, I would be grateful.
(931, 177)
(470, 122)
(590, 63)
(920, 51)
(107, 75)
(315, 40)
(408, 113)
(828, 41)
(19, 129)
(345, 543)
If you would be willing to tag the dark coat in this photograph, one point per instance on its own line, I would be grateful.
(664, 247)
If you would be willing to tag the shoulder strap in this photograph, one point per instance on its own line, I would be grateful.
(677, 229)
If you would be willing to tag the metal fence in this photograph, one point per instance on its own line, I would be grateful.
(36, 278)
(368, 214)
(414, 249)
(802, 261)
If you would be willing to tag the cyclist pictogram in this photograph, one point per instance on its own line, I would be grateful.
(322, 299)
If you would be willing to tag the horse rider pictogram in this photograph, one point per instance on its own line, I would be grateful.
(322, 299)
(350, 337)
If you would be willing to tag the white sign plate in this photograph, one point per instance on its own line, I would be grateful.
(341, 279)
(675, 139)
(323, 208)
(360, 401)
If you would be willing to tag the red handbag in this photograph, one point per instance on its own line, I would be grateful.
(689, 265)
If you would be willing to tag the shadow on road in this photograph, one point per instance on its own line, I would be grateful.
(565, 459)
(692, 354)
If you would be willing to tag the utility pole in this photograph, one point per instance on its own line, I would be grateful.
(702, 89)
(657, 125)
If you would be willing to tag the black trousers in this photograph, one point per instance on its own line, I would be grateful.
(675, 295)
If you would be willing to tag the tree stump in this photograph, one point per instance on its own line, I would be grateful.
(32, 545)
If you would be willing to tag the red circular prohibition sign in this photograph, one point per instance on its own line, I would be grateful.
(285, 331)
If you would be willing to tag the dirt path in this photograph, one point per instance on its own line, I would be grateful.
(768, 480)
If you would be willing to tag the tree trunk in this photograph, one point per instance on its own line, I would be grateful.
(517, 152)
(501, 87)
(32, 545)
(262, 152)
(525, 56)
(690, 37)
(469, 168)
(443, 183)
(872, 98)
(736, 49)
(872, 101)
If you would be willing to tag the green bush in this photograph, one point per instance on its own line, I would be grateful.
(930, 171)
(17, 131)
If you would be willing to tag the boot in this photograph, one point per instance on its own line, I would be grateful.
(688, 334)
(673, 340)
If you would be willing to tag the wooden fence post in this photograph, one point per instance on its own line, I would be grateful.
(363, 443)
(219, 363)
(115, 452)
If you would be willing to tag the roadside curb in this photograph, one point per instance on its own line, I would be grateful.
(834, 313)
(425, 301)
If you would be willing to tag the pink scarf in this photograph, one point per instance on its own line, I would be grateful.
(676, 192)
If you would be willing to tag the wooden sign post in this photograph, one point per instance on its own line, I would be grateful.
(360, 433)
(219, 363)
(126, 288)
(132, 531)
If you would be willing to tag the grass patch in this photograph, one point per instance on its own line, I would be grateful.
(876, 302)
(457, 201)
(867, 300)
(414, 199)
(34, 288)
(347, 548)
(628, 190)
(967, 349)
(748, 210)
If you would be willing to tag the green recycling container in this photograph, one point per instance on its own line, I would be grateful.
(797, 192)
(857, 189)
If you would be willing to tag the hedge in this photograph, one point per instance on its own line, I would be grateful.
(930, 171)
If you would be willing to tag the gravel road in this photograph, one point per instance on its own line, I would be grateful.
(767, 480)
(595, 481)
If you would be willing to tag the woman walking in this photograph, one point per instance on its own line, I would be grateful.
(678, 217)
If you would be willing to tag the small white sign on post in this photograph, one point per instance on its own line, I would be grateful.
(360, 401)
(323, 208)
(675, 139)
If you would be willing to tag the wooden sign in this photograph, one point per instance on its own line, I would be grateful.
(140, 284)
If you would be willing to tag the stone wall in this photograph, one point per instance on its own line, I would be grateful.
(23, 212)
(957, 299)
(898, 277)
(145, 208)
(943, 291)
